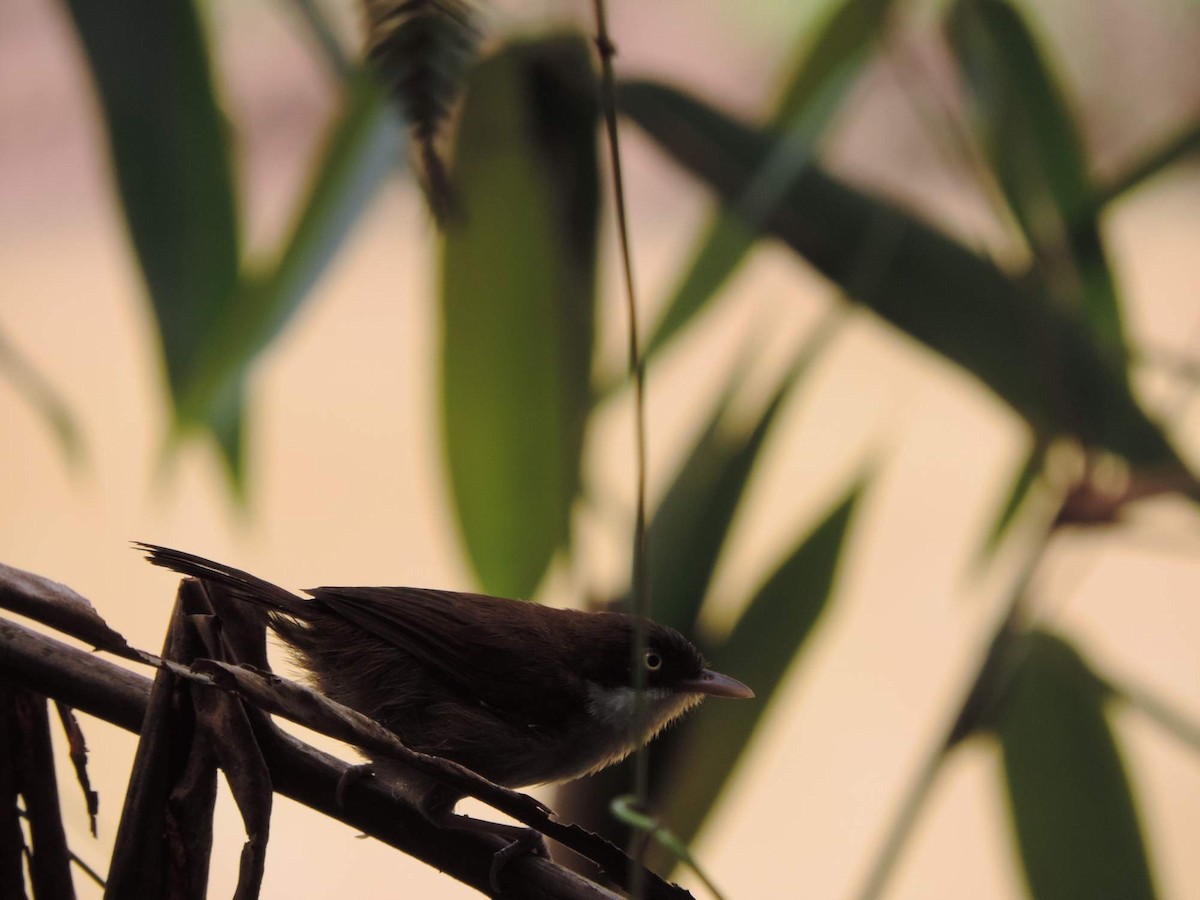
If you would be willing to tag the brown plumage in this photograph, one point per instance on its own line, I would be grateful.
(520, 693)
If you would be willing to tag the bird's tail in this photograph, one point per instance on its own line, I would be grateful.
(240, 584)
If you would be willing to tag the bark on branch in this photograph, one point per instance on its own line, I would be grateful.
(110, 692)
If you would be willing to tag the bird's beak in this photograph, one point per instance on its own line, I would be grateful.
(715, 685)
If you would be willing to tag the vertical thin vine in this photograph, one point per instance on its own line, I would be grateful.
(640, 582)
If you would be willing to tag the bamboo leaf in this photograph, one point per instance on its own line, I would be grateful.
(1028, 130)
(1166, 152)
(359, 150)
(687, 533)
(1023, 482)
(518, 296)
(760, 651)
(1034, 356)
(691, 524)
(227, 423)
(830, 64)
(167, 138)
(1071, 801)
(324, 37)
(39, 393)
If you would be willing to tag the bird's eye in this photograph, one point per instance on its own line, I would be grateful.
(653, 661)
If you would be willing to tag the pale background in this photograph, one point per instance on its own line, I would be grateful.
(347, 487)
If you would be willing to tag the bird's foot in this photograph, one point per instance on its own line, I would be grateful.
(351, 777)
(521, 841)
(524, 840)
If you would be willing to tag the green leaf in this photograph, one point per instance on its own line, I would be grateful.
(359, 151)
(686, 536)
(830, 65)
(227, 420)
(361, 146)
(760, 651)
(42, 396)
(1023, 482)
(167, 137)
(1034, 356)
(518, 304)
(1028, 131)
(1075, 819)
(691, 524)
(324, 37)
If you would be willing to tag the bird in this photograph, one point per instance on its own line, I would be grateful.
(520, 693)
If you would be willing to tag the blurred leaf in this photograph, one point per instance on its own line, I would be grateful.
(1167, 152)
(1072, 809)
(691, 524)
(830, 64)
(1028, 130)
(1031, 354)
(171, 157)
(359, 150)
(1159, 710)
(1022, 483)
(760, 650)
(518, 296)
(227, 421)
(992, 682)
(324, 37)
(687, 533)
(167, 136)
(41, 395)
(845, 37)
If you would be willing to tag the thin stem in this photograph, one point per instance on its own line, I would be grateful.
(623, 809)
(87, 870)
(640, 587)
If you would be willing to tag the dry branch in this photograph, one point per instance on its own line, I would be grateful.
(164, 840)
(29, 759)
(61, 608)
(12, 839)
(294, 769)
(225, 724)
(298, 771)
(305, 706)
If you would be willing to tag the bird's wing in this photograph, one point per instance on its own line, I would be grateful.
(510, 664)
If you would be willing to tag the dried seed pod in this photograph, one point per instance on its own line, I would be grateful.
(422, 50)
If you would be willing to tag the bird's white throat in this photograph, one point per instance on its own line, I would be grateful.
(613, 707)
(611, 740)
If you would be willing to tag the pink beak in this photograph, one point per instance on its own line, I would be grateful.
(715, 685)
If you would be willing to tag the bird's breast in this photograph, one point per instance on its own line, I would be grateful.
(610, 715)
